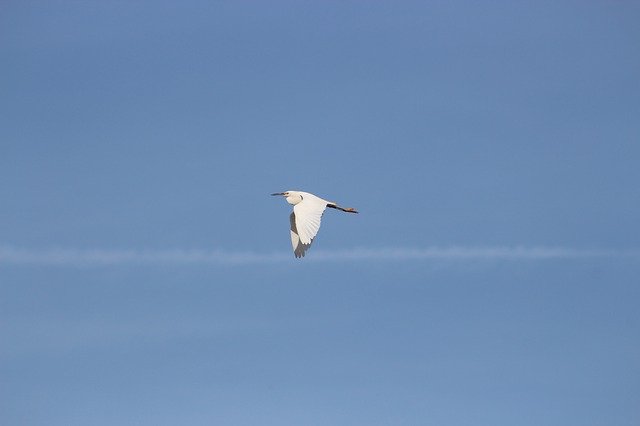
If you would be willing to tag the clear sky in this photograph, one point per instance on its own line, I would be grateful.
(491, 278)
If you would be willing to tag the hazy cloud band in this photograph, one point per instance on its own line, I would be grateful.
(96, 257)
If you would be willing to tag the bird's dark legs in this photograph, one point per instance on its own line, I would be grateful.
(348, 209)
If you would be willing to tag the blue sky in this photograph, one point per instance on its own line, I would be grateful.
(492, 149)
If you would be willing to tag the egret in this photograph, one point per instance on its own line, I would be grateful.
(305, 218)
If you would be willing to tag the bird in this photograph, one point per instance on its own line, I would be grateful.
(305, 218)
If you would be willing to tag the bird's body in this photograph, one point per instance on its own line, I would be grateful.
(305, 218)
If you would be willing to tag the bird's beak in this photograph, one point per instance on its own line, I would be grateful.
(278, 193)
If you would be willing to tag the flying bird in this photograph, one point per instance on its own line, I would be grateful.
(305, 218)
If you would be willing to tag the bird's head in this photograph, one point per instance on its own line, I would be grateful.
(292, 197)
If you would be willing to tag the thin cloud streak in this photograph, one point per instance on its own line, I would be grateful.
(101, 257)
(476, 253)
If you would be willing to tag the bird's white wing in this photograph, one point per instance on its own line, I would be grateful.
(308, 214)
(299, 249)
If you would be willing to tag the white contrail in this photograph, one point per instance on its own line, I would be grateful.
(96, 257)
(478, 253)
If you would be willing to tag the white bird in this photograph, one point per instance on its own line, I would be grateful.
(305, 218)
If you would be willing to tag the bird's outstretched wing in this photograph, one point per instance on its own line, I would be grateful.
(308, 214)
(299, 249)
